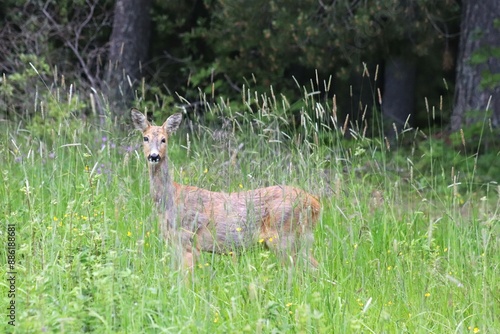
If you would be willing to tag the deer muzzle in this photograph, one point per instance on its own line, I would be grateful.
(154, 158)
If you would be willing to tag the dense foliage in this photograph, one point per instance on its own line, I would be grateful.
(223, 47)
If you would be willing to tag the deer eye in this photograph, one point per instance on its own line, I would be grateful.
(146, 139)
(163, 140)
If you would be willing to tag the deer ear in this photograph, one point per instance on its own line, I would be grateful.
(172, 123)
(139, 120)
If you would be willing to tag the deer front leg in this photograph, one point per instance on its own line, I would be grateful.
(183, 255)
(189, 258)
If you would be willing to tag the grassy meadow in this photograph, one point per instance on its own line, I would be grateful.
(408, 240)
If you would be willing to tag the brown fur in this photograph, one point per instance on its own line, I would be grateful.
(282, 217)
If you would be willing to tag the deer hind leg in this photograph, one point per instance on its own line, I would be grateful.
(305, 248)
(291, 247)
(189, 258)
(284, 246)
(300, 246)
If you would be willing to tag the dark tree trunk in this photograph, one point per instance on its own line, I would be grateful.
(479, 36)
(398, 98)
(128, 49)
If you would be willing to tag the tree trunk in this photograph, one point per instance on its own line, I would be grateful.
(398, 99)
(128, 49)
(476, 62)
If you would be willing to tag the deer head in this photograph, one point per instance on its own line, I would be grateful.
(155, 137)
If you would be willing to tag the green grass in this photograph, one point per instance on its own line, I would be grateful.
(400, 249)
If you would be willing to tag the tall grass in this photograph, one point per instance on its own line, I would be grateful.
(402, 248)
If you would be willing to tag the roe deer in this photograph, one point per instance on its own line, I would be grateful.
(200, 220)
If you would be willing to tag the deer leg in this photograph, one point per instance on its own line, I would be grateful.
(191, 252)
(306, 242)
(189, 258)
(312, 261)
(290, 248)
(279, 244)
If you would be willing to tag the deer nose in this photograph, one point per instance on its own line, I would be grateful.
(154, 157)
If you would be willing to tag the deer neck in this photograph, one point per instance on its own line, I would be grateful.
(162, 186)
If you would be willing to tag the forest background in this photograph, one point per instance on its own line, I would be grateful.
(388, 58)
